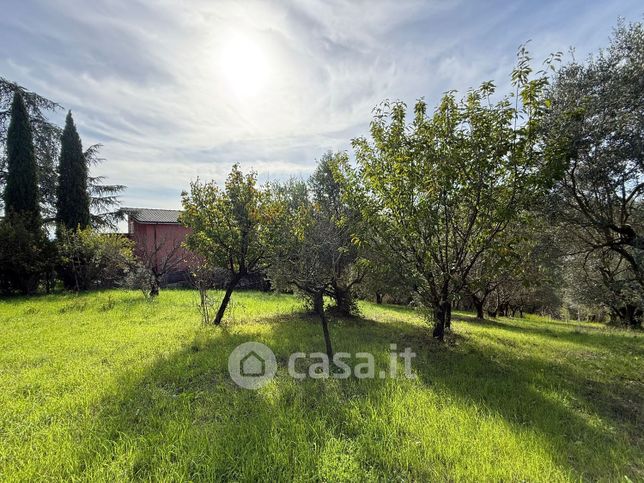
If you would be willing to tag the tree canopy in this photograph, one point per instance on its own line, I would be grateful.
(436, 192)
(595, 128)
(21, 190)
(72, 201)
(226, 227)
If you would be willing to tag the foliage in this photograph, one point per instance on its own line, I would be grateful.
(311, 238)
(104, 198)
(600, 283)
(382, 282)
(26, 255)
(325, 186)
(72, 200)
(227, 227)
(24, 248)
(307, 248)
(520, 272)
(596, 127)
(46, 138)
(435, 193)
(89, 259)
(140, 277)
(21, 190)
(304, 250)
(46, 135)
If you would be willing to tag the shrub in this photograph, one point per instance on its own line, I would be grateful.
(89, 259)
(141, 278)
(25, 255)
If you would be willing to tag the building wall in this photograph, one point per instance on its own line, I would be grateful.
(159, 242)
(167, 236)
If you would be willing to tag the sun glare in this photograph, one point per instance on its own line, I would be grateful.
(244, 66)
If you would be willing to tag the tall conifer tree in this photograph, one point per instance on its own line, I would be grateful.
(72, 204)
(21, 190)
(22, 240)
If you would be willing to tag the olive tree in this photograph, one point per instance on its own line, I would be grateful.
(339, 217)
(596, 127)
(307, 249)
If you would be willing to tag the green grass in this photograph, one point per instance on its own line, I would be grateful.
(107, 386)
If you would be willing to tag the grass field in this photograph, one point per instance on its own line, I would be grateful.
(108, 386)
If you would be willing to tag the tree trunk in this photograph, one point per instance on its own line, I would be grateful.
(343, 300)
(156, 285)
(224, 303)
(319, 303)
(439, 326)
(503, 309)
(632, 316)
(378, 298)
(448, 315)
(203, 304)
(478, 304)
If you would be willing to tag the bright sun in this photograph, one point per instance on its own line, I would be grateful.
(244, 66)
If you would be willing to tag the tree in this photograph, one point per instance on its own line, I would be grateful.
(601, 283)
(46, 137)
(520, 270)
(485, 277)
(104, 198)
(435, 193)
(382, 279)
(305, 252)
(21, 191)
(227, 227)
(24, 245)
(159, 258)
(202, 278)
(532, 280)
(326, 193)
(25, 254)
(596, 127)
(93, 259)
(72, 203)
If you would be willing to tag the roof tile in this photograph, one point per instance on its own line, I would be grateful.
(153, 215)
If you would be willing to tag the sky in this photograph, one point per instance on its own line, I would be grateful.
(177, 90)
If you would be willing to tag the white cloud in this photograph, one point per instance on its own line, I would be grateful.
(146, 78)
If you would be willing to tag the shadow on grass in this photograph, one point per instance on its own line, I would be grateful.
(185, 419)
(610, 339)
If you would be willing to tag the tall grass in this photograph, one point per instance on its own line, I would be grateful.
(108, 386)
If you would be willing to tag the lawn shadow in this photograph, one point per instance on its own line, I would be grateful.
(609, 339)
(184, 418)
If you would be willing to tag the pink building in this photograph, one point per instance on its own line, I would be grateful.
(158, 236)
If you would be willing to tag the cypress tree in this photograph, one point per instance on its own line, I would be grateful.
(21, 190)
(72, 204)
(22, 240)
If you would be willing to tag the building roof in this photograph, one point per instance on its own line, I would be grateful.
(153, 215)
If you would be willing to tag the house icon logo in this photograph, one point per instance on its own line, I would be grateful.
(252, 365)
